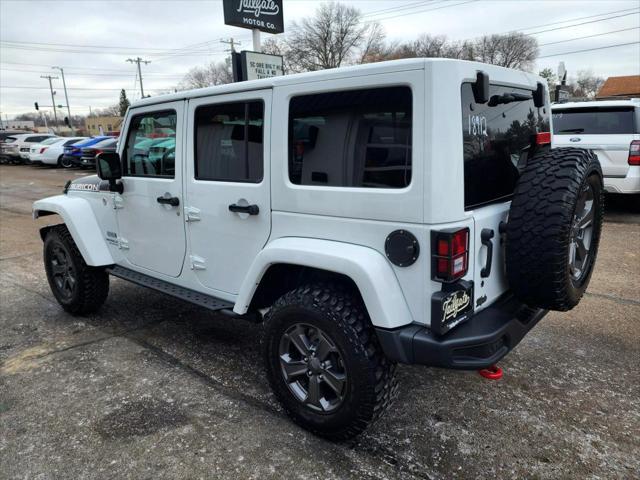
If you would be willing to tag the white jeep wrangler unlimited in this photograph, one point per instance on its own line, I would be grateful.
(407, 211)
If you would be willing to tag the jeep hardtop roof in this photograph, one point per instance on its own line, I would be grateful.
(633, 102)
(501, 74)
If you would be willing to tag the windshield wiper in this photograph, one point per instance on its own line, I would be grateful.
(508, 98)
(572, 130)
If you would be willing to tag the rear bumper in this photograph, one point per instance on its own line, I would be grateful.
(86, 161)
(478, 343)
(628, 184)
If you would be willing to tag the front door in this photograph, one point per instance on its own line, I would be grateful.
(149, 211)
(227, 202)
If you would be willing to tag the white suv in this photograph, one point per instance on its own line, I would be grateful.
(612, 129)
(18, 147)
(407, 211)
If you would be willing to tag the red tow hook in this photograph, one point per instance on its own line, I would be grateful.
(493, 372)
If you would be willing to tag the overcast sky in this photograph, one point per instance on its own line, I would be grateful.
(99, 36)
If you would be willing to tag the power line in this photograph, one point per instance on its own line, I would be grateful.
(418, 11)
(78, 45)
(76, 74)
(570, 20)
(33, 87)
(583, 23)
(401, 7)
(590, 49)
(589, 36)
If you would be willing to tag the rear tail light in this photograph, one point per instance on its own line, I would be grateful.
(449, 254)
(543, 138)
(634, 153)
(97, 152)
(42, 150)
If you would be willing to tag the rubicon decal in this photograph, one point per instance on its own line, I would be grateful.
(85, 187)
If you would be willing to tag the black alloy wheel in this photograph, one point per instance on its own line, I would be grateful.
(313, 368)
(62, 271)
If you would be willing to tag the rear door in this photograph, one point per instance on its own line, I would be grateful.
(497, 139)
(227, 208)
(606, 130)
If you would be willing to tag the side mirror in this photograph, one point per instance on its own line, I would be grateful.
(109, 168)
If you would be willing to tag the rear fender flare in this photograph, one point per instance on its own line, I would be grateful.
(79, 218)
(368, 269)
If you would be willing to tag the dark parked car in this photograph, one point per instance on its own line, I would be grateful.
(89, 154)
(73, 153)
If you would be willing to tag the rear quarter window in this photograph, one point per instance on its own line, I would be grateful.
(594, 121)
(352, 138)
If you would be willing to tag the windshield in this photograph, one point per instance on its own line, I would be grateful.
(593, 121)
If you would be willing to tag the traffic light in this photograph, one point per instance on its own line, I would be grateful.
(36, 104)
(66, 121)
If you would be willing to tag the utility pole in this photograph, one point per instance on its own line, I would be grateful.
(66, 97)
(53, 100)
(232, 43)
(138, 61)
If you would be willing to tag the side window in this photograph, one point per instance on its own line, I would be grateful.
(355, 138)
(151, 145)
(228, 142)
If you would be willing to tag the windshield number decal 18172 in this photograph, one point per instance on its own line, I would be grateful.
(478, 125)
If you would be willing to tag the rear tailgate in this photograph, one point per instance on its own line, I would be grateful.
(608, 131)
(497, 139)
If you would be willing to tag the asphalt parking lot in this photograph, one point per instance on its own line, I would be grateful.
(151, 387)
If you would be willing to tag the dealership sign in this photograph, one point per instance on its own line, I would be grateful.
(260, 65)
(249, 65)
(264, 15)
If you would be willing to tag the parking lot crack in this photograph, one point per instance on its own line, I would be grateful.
(614, 298)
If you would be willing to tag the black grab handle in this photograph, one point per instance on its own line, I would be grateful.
(485, 236)
(250, 209)
(173, 201)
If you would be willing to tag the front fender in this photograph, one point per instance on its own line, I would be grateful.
(369, 270)
(81, 222)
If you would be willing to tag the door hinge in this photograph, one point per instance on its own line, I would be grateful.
(191, 214)
(123, 244)
(197, 263)
(118, 202)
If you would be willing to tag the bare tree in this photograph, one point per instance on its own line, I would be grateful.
(212, 74)
(587, 85)
(513, 50)
(334, 36)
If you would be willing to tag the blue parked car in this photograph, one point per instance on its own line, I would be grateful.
(72, 155)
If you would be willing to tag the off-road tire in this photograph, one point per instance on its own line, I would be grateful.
(92, 283)
(371, 383)
(539, 229)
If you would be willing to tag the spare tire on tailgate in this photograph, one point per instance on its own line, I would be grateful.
(554, 228)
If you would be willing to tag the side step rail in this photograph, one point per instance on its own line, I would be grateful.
(186, 294)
